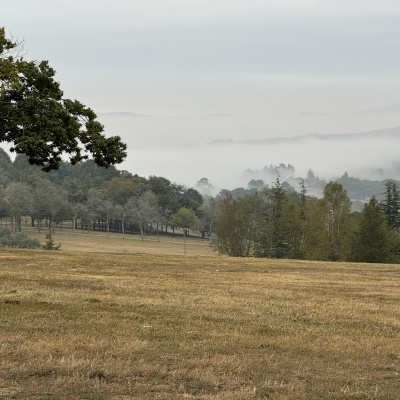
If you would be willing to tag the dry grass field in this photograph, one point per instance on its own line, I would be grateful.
(129, 325)
(128, 244)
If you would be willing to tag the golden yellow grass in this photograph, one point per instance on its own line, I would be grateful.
(79, 240)
(77, 325)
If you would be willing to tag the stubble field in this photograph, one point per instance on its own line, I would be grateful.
(118, 325)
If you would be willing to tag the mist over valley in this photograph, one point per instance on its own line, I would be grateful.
(229, 164)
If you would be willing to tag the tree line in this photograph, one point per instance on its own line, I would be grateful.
(93, 198)
(281, 224)
(272, 222)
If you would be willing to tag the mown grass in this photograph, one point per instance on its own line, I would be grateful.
(96, 241)
(143, 326)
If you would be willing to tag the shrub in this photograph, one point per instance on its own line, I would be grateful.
(50, 245)
(18, 239)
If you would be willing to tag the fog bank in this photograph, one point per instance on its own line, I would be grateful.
(373, 155)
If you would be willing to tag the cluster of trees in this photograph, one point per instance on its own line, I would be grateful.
(268, 173)
(357, 189)
(284, 224)
(94, 198)
(273, 222)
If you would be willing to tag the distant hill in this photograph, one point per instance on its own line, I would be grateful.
(381, 133)
(391, 109)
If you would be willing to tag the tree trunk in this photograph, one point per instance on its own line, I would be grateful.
(184, 242)
(142, 232)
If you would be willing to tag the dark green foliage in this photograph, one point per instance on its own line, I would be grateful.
(171, 197)
(273, 238)
(278, 224)
(374, 239)
(120, 189)
(258, 184)
(18, 239)
(6, 168)
(163, 189)
(190, 198)
(242, 192)
(50, 244)
(238, 225)
(303, 200)
(39, 122)
(63, 194)
(84, 171)
(391, 204)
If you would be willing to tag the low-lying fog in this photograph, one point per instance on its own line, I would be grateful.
(226, 163)
(373, 156)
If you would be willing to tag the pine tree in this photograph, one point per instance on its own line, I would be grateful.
(273, 239)
(374, 238)
(50, 245)
(391, 204)
(303, 200)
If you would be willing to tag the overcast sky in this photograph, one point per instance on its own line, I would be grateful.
(203, 70)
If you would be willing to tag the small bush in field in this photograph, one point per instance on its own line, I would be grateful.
(50, 245)
(18, 239)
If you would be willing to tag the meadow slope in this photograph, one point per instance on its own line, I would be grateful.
(83, 325)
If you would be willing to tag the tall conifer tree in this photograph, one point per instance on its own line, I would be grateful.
(374, 238)
(391, 204)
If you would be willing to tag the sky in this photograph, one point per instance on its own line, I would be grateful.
(191, 72)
